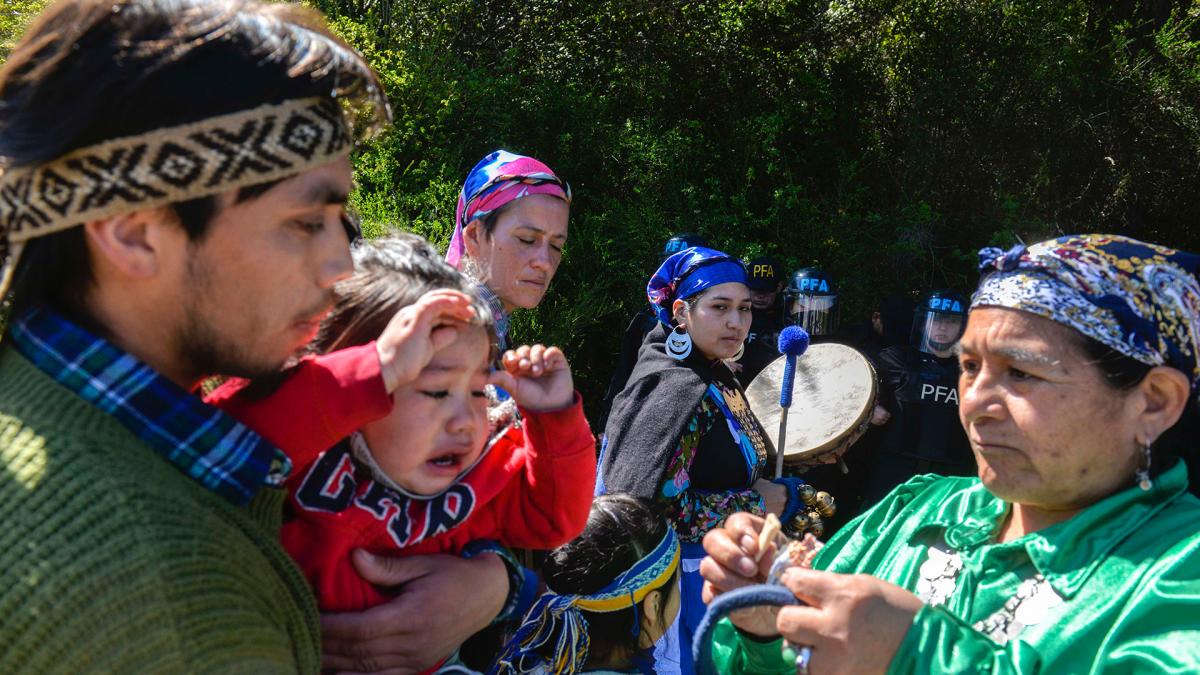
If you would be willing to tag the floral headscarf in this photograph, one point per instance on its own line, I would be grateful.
(1142, 300)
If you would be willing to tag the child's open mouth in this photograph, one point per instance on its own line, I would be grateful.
(447, 462)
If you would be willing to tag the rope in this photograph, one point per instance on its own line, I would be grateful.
(761, 595)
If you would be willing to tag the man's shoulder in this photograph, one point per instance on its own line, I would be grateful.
(71, 478)
(107, 548)
(75, 489)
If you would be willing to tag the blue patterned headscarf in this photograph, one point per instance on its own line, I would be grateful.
(688, 272)
(1142, 300)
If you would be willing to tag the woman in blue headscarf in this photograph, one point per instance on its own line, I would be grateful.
(510, 228)
(681, 432)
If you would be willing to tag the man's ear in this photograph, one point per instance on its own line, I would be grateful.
(132, 243)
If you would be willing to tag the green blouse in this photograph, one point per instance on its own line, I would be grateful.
(1127, 570)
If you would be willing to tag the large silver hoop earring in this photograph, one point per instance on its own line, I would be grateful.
(679, 343)
(1143, 472)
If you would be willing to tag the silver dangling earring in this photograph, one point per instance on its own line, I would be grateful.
(738, 356)
(1143, 472)
(679, 343)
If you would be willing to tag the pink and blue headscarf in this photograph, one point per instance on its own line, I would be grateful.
(688, 272)
(1141, 300)
(499, 178)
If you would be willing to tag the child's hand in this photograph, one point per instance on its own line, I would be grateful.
(538, 377)
(410, 339)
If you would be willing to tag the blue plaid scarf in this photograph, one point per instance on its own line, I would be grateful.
(206, 444)
(498, 314)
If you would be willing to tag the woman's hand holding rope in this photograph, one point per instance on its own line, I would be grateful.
(854, 623)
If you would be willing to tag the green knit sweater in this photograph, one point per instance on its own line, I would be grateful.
(113, 560)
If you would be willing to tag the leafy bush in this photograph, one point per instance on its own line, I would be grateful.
(14, 16)
(885, 140)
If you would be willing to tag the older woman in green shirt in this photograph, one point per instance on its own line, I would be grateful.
(1077, 549)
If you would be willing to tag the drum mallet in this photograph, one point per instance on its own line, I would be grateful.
(793, 341)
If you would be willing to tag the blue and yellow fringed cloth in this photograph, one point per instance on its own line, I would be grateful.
(558, 619)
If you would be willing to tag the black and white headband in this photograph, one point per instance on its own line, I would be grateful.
(166, 166)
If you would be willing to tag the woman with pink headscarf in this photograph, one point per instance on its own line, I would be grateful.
(509, 231)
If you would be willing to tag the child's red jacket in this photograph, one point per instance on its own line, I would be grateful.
(533, 488)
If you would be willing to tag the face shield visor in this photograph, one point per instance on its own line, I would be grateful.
(937, 333)
(816, 314)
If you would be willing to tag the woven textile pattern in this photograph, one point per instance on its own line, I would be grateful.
(1140, 299)
(171, 165)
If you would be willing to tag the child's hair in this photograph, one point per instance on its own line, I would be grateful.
(620, 531)
(390, 274)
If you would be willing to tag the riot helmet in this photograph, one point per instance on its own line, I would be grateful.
(939, 322)
(764, 277)
(681, 241)
(811, 301)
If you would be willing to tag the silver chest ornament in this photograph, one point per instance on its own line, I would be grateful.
(1033, 601)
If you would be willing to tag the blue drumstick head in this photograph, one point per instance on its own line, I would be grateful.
(793, 341)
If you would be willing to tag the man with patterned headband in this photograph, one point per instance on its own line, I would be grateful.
(1077, 548)
(172, 207)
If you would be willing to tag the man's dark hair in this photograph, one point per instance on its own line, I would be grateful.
(93, 70)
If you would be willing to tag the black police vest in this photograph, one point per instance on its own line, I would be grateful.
(764, 327)
(924, 421)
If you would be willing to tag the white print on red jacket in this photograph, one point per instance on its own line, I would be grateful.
(330, 486)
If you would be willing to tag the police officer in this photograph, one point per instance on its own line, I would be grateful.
(919, 387)
(679, 242)
(642, 323)
(811, 302)
(766, 283)
(889, 324)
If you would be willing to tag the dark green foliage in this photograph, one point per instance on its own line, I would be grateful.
(14, 16)
(886, 141)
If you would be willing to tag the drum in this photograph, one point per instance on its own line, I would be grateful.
(832, 400)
